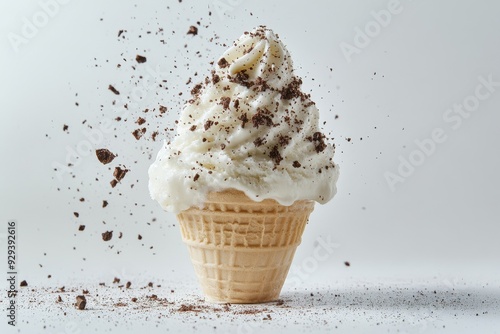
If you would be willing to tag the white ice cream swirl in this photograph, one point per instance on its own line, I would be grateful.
(248, 127)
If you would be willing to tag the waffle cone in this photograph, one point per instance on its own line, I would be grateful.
(242, 250)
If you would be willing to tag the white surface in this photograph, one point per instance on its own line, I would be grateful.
(345, 306)
(443, 220)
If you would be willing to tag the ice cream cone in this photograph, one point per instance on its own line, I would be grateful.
(241, 250)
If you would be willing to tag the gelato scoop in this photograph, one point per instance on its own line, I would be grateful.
(249, 127)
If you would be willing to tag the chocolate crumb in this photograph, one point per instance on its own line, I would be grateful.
(119, 173)
(162, 109)
(106, 236)
(196, 177)
(116, 280)
(104, 204)
(262, 117)
(76, 214)
(23, 284)
(296, 164)
(244, 120)
(193, 31)
(65, 127)
(134, 299)
(81, 228)
(225, 101)
(59, 299)
(275, 155)
(140, 59)
(137, 134)
(208, 124)
(113, 89)
(104, 156)
(139, 237)
(81, 302)
(223, 63)
(192, 128)
(128, 285)
(140, 121)
(113, 183)
(347, 264)
(196, 89)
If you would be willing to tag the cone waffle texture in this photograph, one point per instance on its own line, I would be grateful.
(241, 250)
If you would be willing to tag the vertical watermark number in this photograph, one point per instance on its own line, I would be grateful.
(11, 272)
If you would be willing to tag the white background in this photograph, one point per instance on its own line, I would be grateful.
(443, 220)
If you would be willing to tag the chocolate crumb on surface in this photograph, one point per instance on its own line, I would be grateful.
(128, 285)
(81, 302)
(114, 90)
(140, 59)
(23, 284)
(296, 164)
(275, 155)
(225, 101)
(104, 156)
(113, 183)
(192, 31)
(208, 124)
(196, 177)
(106, 236)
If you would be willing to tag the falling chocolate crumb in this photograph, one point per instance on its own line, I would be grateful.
(119, 173)
(120, 32)
(128, 285)
(134, 299)
(140, 59)
(139, 237)
(81, 302)
(296, 164)
(65, 127)
(106, 236)
(196, 177)
(104, 204)
(196, 89)
(59, 299)
(223, 63)
(347, 264)
(116, 280)
(192, 128)
(140, 121)
(113, 183)
(23, 284)
(104, 156)
(162, 109)
(137, 134)
(193, 31)
(81, 228)
(113, 89)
